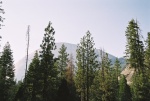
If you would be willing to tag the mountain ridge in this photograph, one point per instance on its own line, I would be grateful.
(71, 49)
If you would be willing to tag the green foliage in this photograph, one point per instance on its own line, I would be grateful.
(33, 80)
(134, 47)
(87, 65)
(69, 75)
(124, 90)
(106, 86)
(116, 70)
(63, 59)
(51, 79)
(19, 92)
(49, 71)
(147, 57)
(140, 88)
(135, 57)
(147, 52)
(6, 74)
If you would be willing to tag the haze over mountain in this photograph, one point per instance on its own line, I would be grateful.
(71, 49)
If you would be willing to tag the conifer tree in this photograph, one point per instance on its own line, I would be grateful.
(124, 90)
(135, 58)
(116, 70)
(63, 60)
(147, 60)
(69, 75)
(134, 47)
(140, 88)
(105, 79)
(147, 52)
(87, 64)
(33, 82)
(49, 71)
(6, 74)
(103, 88)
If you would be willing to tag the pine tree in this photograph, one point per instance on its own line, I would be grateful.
(105, 79)
(19, 94)
(116, 70)
(140, 88)
(135, 58)
(104, 88)
(63, 60)
(33, 82)
(134, 47)
(49, 71)
(147, 56)
(69, 75)
(6, 74)
(87, 64)
(124, 90)
(147, 60)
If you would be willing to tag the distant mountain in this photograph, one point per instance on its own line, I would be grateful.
(71, 49)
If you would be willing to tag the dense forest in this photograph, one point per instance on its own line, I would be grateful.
(59, 79)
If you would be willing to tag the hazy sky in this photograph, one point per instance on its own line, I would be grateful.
(105, 19)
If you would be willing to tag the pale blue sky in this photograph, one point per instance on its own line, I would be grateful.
(105, 19)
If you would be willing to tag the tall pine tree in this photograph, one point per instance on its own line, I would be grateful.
(6, 74)
(62, 60)
(104, 88)
(135, 58)
(87, 65)
(33, 80)
(69, 75)
(124, 90)
(134, 48)
(105, 78)
(147, 52)
(116, 70)
(49, 71)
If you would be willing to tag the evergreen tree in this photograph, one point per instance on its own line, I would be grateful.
(6, 74)
(116, 70)
(63, 60)
(140, 88)
(33, 82)
(147, 60)
(134, 47)
(49, 71)
(135, 58)
(87, 64)
(19, 94)
(124, 90)
(147, 56)
(105, 79)
(69, 75)
(103, 88)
